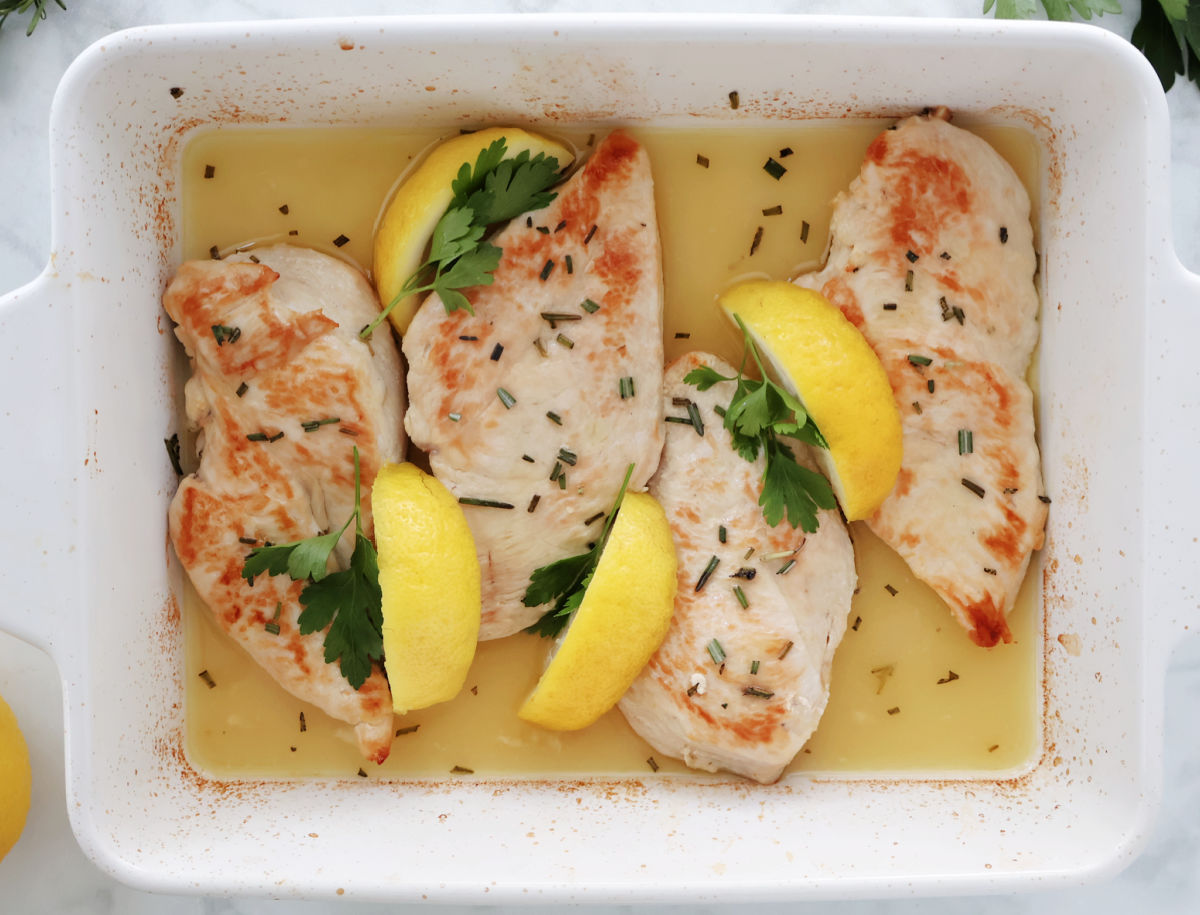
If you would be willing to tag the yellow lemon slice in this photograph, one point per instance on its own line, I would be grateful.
(825, 361)
(15, 780)
(429, 577)
(620, 623)
(421, 200)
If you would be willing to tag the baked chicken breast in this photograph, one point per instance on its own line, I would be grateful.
(537, 402)
(733, 687)
(931, 256)
(281, 391)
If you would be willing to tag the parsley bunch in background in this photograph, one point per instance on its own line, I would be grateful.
(1167, 32)
(8, 7)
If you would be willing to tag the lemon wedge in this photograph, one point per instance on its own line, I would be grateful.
(413, 212)
(620, 623)
(429, 577)
(15, 779)
(823, 359)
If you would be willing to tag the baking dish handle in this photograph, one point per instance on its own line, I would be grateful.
(39, 532)
(1172, 424)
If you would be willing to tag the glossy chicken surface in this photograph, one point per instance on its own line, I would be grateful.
(281, 391)
(932, 258)
(538, 402)
(733, 687)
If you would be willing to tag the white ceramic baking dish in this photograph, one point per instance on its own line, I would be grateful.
(87, 401)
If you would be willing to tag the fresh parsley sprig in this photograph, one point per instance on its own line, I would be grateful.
(495, 190)
(565, 581)
(757, 415)
(1167, 31)
(349, 602)
(8, 7)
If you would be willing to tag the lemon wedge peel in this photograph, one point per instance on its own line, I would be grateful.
(420, 201)
(623, 618)
(16, 780)
(430, 580)
(823, 360)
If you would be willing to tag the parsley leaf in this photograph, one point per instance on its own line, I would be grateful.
(348, 602)
(757, 415)
(564, 581)
(495, 189)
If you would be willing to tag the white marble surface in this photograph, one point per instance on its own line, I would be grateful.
(46, 872)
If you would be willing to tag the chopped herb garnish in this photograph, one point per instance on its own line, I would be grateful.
(564, 340)
(468, 337)
(988, 571)
(694, 418)
(949, 678)
(564, 582)
(313, 425)
(567, 457)
(242, 389)
(553, 317)
(785, 152)
(912, 257)
(707, 573)
(454, 417)
(774, 169)
(758, 234)
(786, 567)
(930, 386)
(276, 437)
(915, 359)
(746, 572)
(974, 487)
(554, 418)
(346, 430)
(533, 503)
(593, 518)
(483, 503)
(284, 209)
(753, 668)
(776, 210)
(347, 602)
(890, 590)
(496, 351)
(589, 306)
(362, 773)
(303, 723)
(293, 232)
(505, 398)
(759, 413)
(209, 171)
(496, 189)
(652, 764)
(966, 441)
(693, 689)
(207, 678)
(908, 281)
(916, 405)
(889, 306)
(176, 92)
(682, 420)
(462, 770)
(172, 444)
(411, 729)
(749, 553)
(804, 233)
(757, 692)
(545, 230)
(1004, 235)
(1045, 499)
(702, 161)
(741, 599)
(547, 269)
(786, 648)
(528, 459)
(224, 334)
(734, 99)
(257, 437)
(857, 623)
(721, 533)
(249, 541)
(715, 651)
(625, 387)
(569, 263)
(894, 711)
(556, 472)
(272, 628)
(340, 241)
(562, 225)
(591, 232)
(682, 336)
(993, 748)
(945, 255)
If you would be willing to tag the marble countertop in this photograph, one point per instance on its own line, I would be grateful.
(47, 872)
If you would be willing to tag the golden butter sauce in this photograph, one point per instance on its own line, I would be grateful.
(887, 710)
